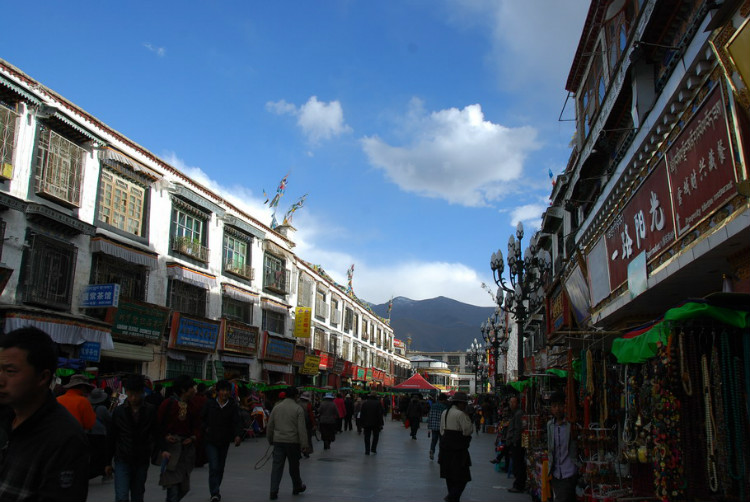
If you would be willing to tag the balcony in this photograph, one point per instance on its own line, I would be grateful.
(240, 270)
(190, 247)
(276, 280)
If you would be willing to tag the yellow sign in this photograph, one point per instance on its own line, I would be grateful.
(7, 171)
(302, 322)
(311, 365)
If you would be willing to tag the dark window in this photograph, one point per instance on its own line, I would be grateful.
(275, 276)
(191, 366)
(8, 120)
(132, 278)
(348, 319)
(236, 310)
(273, 321)
(48, 273)
(189, 231)
(186, 298)
(237, 255)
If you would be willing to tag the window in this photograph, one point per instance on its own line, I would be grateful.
(335, 313)
(593, 91)
(188, 231)
(365, 325)
(273, 321)
(132, 278)
(236, 254)
(305, 291)
(320, 304)
(236, 310)
(121, 203)
(275, 276)
(7, 141)
(346, 351)
(186, 298)
(59, 167)
(348, 319)
(319, 339)
(454, 361)
(48, 273)
(333, 345)
(356, 325)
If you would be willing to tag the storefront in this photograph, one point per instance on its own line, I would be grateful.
(277, 357)
(238, 345)
(191, 341)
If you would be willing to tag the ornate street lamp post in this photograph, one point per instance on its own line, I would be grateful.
(525, 292)
(495, 336)
(474, 355)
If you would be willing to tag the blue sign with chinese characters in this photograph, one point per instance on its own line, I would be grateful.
(197, 334)
(100, 295)
(90, 351)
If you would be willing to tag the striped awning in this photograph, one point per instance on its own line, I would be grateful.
(238, 293)
(63, 331)
(20, 91)
(194, 277)
(236, 359)
(275, 306)
(127, 253)
(107, 153)
(278, 368)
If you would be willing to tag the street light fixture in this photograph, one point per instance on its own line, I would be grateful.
(495, 336)
(475, 357)
(525, 292)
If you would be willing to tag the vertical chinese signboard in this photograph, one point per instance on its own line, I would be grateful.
(644, 224)
(302, 322)
(701, 164)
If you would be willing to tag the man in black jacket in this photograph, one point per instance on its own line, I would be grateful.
(131, 441)
(222, 425)
(371, 417)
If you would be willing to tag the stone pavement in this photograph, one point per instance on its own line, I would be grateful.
(401, 471)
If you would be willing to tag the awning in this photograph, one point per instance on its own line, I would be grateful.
(274, 306)
(186, 193)
(176, 356)
(236, 359)
(194, 277)
(108, 153)
(130, 352)
(238, 293)
(63, 331)
(276, 250)
(80, 130)
(20, 91)
(278, 368)
(127, 253)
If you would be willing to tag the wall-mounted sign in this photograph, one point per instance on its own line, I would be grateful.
(239, 337)
(311, 366)
(100, 295)
(194, 333)
(90, 351)
(278, 350)
(302, 322)
(138, 320)
(299, 355)
(701, 164)
(644, 224)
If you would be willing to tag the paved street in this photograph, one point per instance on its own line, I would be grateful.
(401, 471)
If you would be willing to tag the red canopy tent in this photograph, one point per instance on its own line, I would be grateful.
(415, 382)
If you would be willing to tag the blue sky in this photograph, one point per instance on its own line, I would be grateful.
(421, 130)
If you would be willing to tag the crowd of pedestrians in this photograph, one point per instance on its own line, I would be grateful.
(53, 443)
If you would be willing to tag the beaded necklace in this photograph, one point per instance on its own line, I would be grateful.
(718, 406)
(733, 430)
(713, 479)
(687, 383)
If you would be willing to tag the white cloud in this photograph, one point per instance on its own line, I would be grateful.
(529, 214)
(242, 197)
(317, 119)
(159, 51)
(453, 154)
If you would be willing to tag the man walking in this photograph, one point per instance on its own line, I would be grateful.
(220, 419)
(561, 446)
(131, 441)
(517, 452)
(454, 458)
(433, 421)
(76, 402)
(371, 416)
(287, 432)
(45, 455)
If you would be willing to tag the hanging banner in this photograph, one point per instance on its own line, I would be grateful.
(302, 322)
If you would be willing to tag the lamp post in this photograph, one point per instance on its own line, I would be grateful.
(474, 355)
(495, 336)
(525, 292)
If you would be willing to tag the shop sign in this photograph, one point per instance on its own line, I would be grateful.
(558, 310)
(324, 360)
(100, 295)
(644, 224)
(596, 263)
(302, 322)
(90, 351)
(311, 365)
(138, 320)
(398, 343)
(278, 350)
(239, 337)
(361, 373)
(299, 355)
(347, 369)
(338, 366)
(368, 375)
(194, 333)
(701, 165)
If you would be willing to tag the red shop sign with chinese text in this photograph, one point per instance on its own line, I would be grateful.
(701, 165)
(644, 224)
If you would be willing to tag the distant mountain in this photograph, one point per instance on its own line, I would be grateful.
(438, 324)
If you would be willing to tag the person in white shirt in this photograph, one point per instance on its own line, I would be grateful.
(454, 458)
